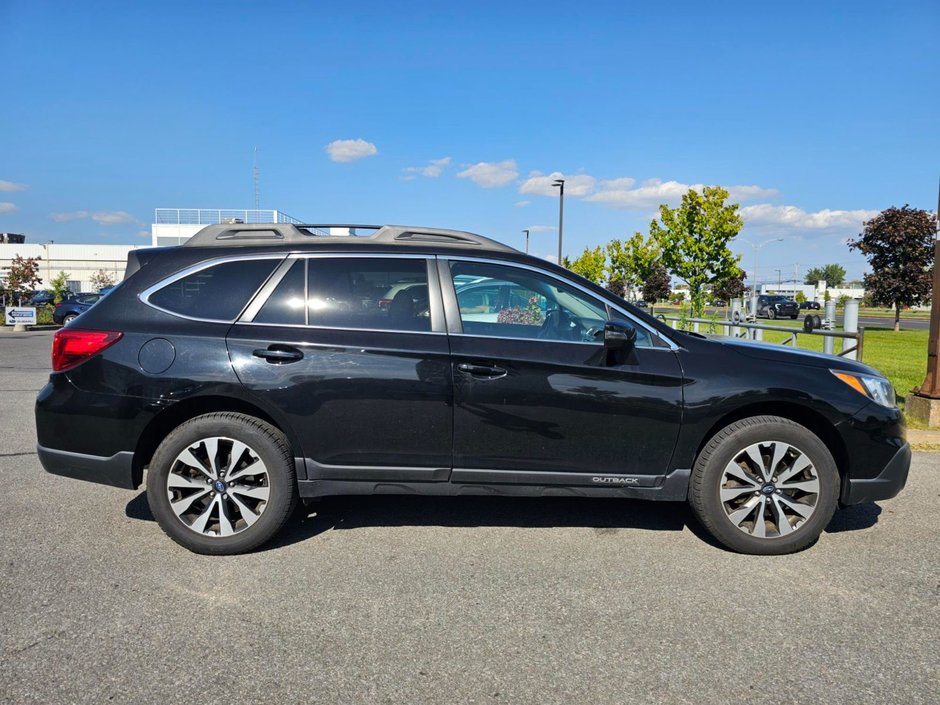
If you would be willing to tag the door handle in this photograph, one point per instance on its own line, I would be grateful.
(488, 371)
(279, 354)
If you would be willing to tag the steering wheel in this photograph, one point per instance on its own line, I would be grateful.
(558, 325)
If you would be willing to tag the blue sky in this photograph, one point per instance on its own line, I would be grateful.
(817, 114)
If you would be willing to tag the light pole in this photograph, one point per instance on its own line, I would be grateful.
(526, 241)
(560, 183)
(778, 280)
(757, 248)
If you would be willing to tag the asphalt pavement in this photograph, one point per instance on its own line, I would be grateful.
(459, 600)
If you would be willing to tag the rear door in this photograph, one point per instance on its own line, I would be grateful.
(362, 376)
(534, 400)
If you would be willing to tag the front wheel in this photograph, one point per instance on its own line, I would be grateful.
(222, 483)
(764, 485)
(771, 313)
(69, 318)
(794, 316)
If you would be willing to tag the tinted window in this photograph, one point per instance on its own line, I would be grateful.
(219, 292)
(505, 301)
(286, 303)
(371, 293)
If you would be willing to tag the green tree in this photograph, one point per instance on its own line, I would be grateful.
(694, 239)
(616, 287)
(591, 264)
(22, 277)
(656, 284)
(58, 286)
(899, 246)
(832, 274)
(800, 297)
(840, 302)
(632, 260)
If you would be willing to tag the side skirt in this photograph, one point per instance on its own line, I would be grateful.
(672, 487)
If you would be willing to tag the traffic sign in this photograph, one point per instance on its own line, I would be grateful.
(21, 314)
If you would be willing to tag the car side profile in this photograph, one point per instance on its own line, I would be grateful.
(258, 365)
(71, 308)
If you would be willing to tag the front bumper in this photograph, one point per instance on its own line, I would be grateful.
(116, 470)
(885, 485)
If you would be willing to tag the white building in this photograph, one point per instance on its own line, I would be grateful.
(80, 262)
(812, 293)
(174, 226)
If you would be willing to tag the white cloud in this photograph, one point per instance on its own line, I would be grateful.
(12, 186)
(143, 233)
(521, 204)
(432, 169)
(7, 207)
(541, 228)
(491, 174)
(102, 217)
(765, 215)
(620, 193)
(576, 186)
(350, 150)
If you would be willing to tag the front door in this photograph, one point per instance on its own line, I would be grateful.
(534, 398)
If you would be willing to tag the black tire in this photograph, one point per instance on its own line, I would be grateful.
(771, 314)
(262, 439)
(794, 316)
(707, 476)
(68, 318)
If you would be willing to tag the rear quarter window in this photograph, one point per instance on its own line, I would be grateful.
(218, 292)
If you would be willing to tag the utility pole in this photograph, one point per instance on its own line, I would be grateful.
(931, 386)
(560, 183)
(779, 282)
(526, 241)
(256, 175)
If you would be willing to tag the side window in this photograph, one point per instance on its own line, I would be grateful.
(285, 305)
(218, 292)
(380, 293)
(510, 302)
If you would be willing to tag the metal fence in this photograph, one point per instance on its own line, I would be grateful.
(852, 341)
(215, 216)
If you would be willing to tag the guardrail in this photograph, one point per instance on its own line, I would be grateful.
(751, 331)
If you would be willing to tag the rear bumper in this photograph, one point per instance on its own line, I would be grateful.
(116, 470)
(885, 485)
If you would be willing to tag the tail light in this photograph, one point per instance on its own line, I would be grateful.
(72, 347)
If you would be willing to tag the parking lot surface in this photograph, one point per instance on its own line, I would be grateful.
(451, 600)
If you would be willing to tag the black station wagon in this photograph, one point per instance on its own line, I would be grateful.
(256, 365)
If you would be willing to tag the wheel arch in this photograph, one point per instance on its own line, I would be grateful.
(163, 423)
(805, 416)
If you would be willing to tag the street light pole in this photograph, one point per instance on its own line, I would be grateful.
(757, 247)
(560, 183)
(526, 241)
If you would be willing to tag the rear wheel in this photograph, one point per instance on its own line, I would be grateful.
(222, 483)
(764, 485)
(771, 313)
(69, 318)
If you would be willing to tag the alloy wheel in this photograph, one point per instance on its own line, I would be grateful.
(769, 489)
(218, 486)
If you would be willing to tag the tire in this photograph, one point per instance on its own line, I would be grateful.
(198, 507)
(771, 314)
(794, 316)
(68, 318)
(729, 506)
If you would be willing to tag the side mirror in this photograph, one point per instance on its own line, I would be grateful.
(619, 336)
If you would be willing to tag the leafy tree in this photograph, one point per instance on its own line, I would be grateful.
(22, 277)
(101, 279)
(899, 246)
(840, 302)
(694, 238)
(632, 260)
(832, 274)
(827, 296)
(590, 265)
(617, 287)
(800, 297)
(656, 285)
(58, 286)
(732, 288)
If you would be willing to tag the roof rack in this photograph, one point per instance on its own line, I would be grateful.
(233, 234)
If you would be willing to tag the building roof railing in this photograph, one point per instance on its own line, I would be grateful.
(218, 216)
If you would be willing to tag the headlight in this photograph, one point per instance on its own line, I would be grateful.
(878, 389)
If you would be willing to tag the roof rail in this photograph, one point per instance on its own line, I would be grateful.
(233, 234)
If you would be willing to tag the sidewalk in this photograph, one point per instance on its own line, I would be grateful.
(923, 439)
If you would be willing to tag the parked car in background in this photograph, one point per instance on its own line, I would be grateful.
(776, 306)
(244, 374)
(71, 308)
(810, 306)
(41, 298)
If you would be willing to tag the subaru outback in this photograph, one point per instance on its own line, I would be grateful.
(258, 365)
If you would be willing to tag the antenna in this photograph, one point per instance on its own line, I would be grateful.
(257, 178)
